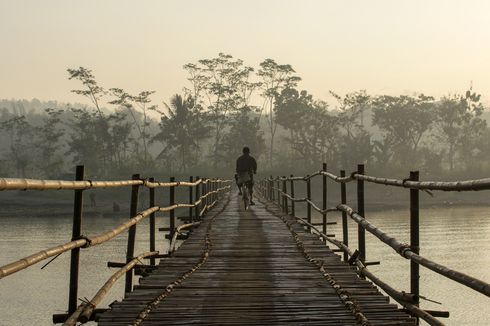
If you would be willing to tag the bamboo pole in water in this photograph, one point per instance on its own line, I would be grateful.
(85, 310)
(76, 233)
(405, 251)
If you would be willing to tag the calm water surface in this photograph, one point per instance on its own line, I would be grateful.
(456, 237)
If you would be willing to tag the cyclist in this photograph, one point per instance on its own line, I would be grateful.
(246, 167)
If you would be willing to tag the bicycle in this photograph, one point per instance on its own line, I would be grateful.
(246, 196)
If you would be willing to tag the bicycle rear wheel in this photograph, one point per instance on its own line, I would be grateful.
(246, 198)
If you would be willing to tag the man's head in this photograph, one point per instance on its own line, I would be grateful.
(246, 150)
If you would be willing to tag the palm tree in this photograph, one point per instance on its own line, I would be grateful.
(181, 128)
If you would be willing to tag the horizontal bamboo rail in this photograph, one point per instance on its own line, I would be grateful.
(406, 252)
(466, 185)
(84, 311)
(405, 299)
(38, 184)
(86, 242)
(270, 191)
(178, 231)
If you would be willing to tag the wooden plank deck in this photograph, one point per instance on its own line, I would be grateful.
(255, 274)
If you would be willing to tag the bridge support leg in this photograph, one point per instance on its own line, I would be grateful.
(152, 222)
(76, 233)
(308, 196)
(191, 198)
(285, 199)
(414, 237)
(133, 210)
(360, 210)
(172, 212)
(345, 225)
(324, 198)
(196, 209)
(293, 208)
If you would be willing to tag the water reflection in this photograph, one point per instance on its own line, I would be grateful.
(456, 237)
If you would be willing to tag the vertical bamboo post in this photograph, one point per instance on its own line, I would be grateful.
(293, 208)
(345, 225)
(152, 222)
(285, 199)
(171, 201)
(414, 237)
(205, 199)
(272, 190)
(133, 210)
(197, 196)
(324, 195)
(76, 233)
(361, 233)
(191, 198)
(279, 196)
(308, 196)
(214, 189)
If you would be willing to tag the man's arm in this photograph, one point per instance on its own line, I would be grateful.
(254, 165)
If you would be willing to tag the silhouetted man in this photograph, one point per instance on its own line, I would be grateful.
(246, 167)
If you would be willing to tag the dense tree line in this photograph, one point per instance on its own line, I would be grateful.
(227, 105)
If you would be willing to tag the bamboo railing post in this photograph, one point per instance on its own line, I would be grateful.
(191, 198)
(414, 238)
(152, 222)
(197, 196)
(272, 196)
(361, 233)
(285, 199)
(205, 200)
(171, 201)
(279, 196)
(324, 202)
(345, 225)
(213, 184)
(293, 208)
(133, 210)
(308, 196)
(76, 233)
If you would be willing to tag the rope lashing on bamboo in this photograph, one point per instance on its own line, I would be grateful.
(150, 306)
(84, 311)
(406, 252)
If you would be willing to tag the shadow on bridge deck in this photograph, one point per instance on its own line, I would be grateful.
(255, 274)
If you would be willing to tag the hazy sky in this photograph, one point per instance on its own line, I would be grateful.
(384, 46)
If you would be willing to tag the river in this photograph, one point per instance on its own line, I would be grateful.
(457, 237)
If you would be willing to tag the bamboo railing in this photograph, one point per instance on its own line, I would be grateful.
(271, 189)
(204, 194)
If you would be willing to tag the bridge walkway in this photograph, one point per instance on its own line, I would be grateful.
(249, 268)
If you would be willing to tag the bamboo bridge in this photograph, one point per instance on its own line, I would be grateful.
(262, 266)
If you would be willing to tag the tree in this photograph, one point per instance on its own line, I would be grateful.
(274, 79)
(92, 90)
(353, 138)
(244, 130)
(137, 105)
(180, 128)
(313, 130)
(48, 144)
(459, 125)
(221, 87)
(20, 149)
(403, 121)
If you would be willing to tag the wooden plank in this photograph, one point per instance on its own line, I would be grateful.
(255, 274)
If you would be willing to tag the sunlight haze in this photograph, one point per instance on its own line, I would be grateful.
(385, 47)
